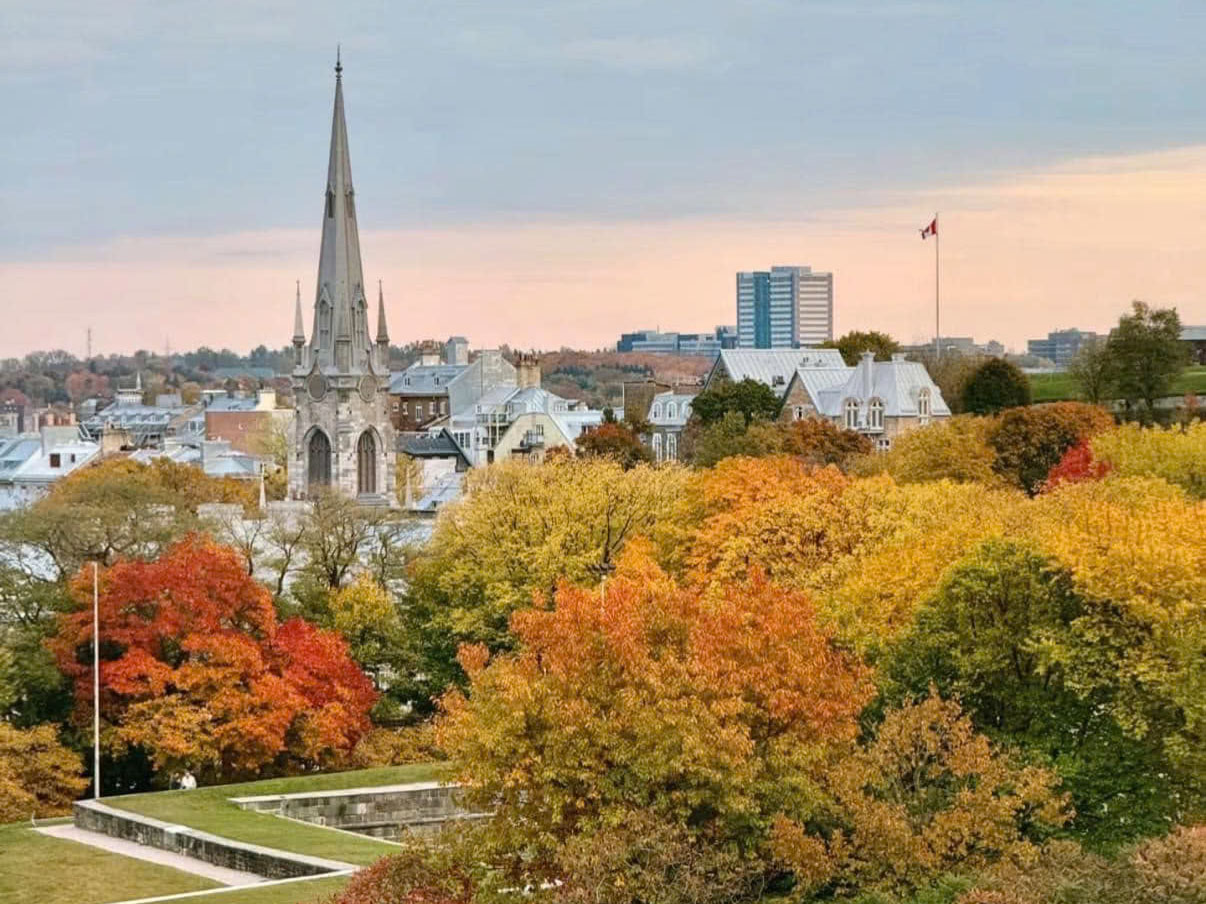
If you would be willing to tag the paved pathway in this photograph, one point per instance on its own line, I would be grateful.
(152, 855)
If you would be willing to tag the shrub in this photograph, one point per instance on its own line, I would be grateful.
(396, 747)
(1175, 454)
(955, 449)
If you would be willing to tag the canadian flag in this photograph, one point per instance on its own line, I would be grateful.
(932, 229)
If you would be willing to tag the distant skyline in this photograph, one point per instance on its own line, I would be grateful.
(554, 173)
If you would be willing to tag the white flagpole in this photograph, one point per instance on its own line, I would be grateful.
(937, 319)
(96, 775)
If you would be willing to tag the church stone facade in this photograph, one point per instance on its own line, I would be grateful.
(344, 439)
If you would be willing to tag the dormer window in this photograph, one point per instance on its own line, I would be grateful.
(851, 414)
(657, 410)
(923, 406)
(875, 414)
(671, 411)
(56, 460)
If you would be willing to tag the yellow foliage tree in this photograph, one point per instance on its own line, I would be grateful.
(957, 449)
(38, 775)
(1176, 454)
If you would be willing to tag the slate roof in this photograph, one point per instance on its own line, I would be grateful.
(431, 445)
(425, 379)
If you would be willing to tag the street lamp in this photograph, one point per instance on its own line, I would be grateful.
(602, 570)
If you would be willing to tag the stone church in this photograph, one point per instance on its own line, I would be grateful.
(343, 438)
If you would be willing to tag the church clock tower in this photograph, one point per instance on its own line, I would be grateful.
(343, 436)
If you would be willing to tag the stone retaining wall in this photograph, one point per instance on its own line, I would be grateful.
(251, 858)
(384, 812)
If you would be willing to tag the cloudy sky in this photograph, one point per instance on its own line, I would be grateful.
(552, 173)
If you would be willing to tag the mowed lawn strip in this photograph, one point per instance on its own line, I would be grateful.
(1059, 387)
(210, 810)
(308, 892)
(39, 869)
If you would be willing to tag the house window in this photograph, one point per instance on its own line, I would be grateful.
(431, 409)
(883, 444)
(875, 414)
(657, 410)
(797, 413)
(923, 406)
(406, 409)
(56, 460)
(851, 410)
(672, 447)
(671, 411)
(657, 446)
(443, 406)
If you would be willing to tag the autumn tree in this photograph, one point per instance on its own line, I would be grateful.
(1146, 355)
(994, 386)
(367, 617)
(951, 449)
(197, 672)
(337, 532)
(854, 343)
(749, 398)
(616, 441)
(819, 441)
(697, 717)
(39, 777)
(1028, 442)
(925, 796)
(1077, 464)
(1175, 454)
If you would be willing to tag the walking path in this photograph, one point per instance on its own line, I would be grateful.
(152, 855)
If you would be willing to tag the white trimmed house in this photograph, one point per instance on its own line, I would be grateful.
(668, 416)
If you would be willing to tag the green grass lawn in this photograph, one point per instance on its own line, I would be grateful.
(1060, 387)
(38, 869)
(210, 810)
(315, 890)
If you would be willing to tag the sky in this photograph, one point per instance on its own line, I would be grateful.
(551, 174)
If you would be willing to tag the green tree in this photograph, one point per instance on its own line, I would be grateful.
(994, 386)
(989, 637)
(1146, 355)
(1093, 371)
(750, 398)
(854, 343)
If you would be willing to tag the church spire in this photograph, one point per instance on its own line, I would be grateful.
(382, 330)
(340, 309)
(299, 331)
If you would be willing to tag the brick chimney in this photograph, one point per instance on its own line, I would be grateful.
(527, 371)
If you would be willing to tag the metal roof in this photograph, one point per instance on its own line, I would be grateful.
(1193, 334)
(774, 366)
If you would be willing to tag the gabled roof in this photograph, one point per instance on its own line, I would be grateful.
(772, 366)
(431, 445)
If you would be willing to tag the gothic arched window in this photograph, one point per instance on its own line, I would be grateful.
(851, 412)
(366, 464)
(318, 469)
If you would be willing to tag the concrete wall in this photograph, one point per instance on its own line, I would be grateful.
(251, 858)
(386, 812)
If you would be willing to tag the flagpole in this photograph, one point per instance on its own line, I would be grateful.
(937, 319)
(96, 776)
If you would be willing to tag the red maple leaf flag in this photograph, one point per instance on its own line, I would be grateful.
(932, 229)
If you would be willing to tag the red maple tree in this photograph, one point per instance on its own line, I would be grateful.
(197, 671)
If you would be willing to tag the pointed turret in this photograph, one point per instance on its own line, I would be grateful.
(339, 300)
(299, 331)
(382, 329)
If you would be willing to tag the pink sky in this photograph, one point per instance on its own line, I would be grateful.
(1066, 246)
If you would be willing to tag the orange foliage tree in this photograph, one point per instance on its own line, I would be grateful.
(196, 670)
(703, 713)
